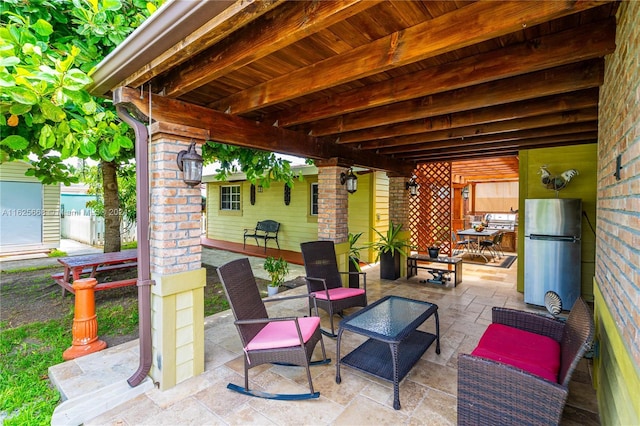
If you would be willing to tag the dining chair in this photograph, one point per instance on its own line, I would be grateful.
(491, 245)
(459, 245)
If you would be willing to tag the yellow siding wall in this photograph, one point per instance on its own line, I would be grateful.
(14, 172)
(380, 211)
(51, 222)
(582, 158)
(617, 378)
(297, 224)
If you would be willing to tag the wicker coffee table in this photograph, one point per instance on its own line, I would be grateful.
(394, 344)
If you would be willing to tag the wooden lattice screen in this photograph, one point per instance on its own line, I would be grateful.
(430, 211)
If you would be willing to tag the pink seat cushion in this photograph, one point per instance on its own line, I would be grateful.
(283, 334)
(539, 355)
(339, 293)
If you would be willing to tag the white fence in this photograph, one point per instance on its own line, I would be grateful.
(89, 229)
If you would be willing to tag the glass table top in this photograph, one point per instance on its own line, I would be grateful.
(389, 317)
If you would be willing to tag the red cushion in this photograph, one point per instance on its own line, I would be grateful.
(339, 293)
(539, 355)
(283, 334)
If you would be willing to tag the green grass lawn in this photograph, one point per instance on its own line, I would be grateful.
(26, 395)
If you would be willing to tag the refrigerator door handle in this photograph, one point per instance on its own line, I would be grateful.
(553, 238)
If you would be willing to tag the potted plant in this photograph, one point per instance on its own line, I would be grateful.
(277, 270)
(434, 249)
(354, 259)
(390, 247)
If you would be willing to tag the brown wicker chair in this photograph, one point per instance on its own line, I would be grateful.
(323, 281)
(289, 341)
(495, 393)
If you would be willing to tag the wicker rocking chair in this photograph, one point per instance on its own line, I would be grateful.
(288, 341)
(323, 281)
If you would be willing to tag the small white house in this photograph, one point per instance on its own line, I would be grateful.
(29, 211)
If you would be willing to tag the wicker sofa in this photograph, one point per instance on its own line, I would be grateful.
(497, 388)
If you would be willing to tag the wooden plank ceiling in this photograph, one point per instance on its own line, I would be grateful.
(389, 84)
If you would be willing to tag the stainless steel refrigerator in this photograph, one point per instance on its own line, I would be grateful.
(552, 246)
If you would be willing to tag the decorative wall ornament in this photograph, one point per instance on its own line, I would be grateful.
(287, 194)
(252, 193)
(558, 182)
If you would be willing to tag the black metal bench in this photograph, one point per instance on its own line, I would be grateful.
(265, 230)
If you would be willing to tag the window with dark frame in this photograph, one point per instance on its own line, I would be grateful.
(230, 197)
(314, 199)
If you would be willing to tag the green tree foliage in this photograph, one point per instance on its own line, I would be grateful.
(47, 49)
(260, 167)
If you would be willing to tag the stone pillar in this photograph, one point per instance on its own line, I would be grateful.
(177, 299)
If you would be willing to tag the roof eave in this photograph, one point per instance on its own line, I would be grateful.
(171, 23)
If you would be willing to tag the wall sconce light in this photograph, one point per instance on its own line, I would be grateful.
(190, 162)
(412, 186)
(465, 192)
(618, 167)
(350, 180)
(259, 188)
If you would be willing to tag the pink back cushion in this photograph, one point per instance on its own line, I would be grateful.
(539, 355)
(283, 334)
(339, 293)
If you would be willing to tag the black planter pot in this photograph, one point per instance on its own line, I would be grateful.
(389, 266)
(354, 280)
(434, 252)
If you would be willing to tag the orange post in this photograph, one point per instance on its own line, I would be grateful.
(85, 322)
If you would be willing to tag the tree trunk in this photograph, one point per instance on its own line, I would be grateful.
(111, 207)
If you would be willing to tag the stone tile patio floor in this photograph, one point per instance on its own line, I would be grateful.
(427, 394)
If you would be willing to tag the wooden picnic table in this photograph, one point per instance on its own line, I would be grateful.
(77, 266)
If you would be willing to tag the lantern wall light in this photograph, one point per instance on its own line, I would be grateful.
(190, 162)
(412, 186)
(350, 180)
(465, 192)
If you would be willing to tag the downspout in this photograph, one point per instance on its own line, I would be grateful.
(144, 263)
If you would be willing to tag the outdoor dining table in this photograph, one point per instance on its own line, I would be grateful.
(474, 249)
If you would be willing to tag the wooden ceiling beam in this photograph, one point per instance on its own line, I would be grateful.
(279, 28)
(218, 28)
(467, 156)
(469, 143)
(517, 144)
(239, 131)
(574, 45)
(496, 128)
(565, 79)
(516, 110)
(482, 140)
(477, 22)
(481, 155)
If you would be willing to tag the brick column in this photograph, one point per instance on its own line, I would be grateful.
(332, 205)
(399, 210)
(177, 300)
(399, 201)
(333, 209)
